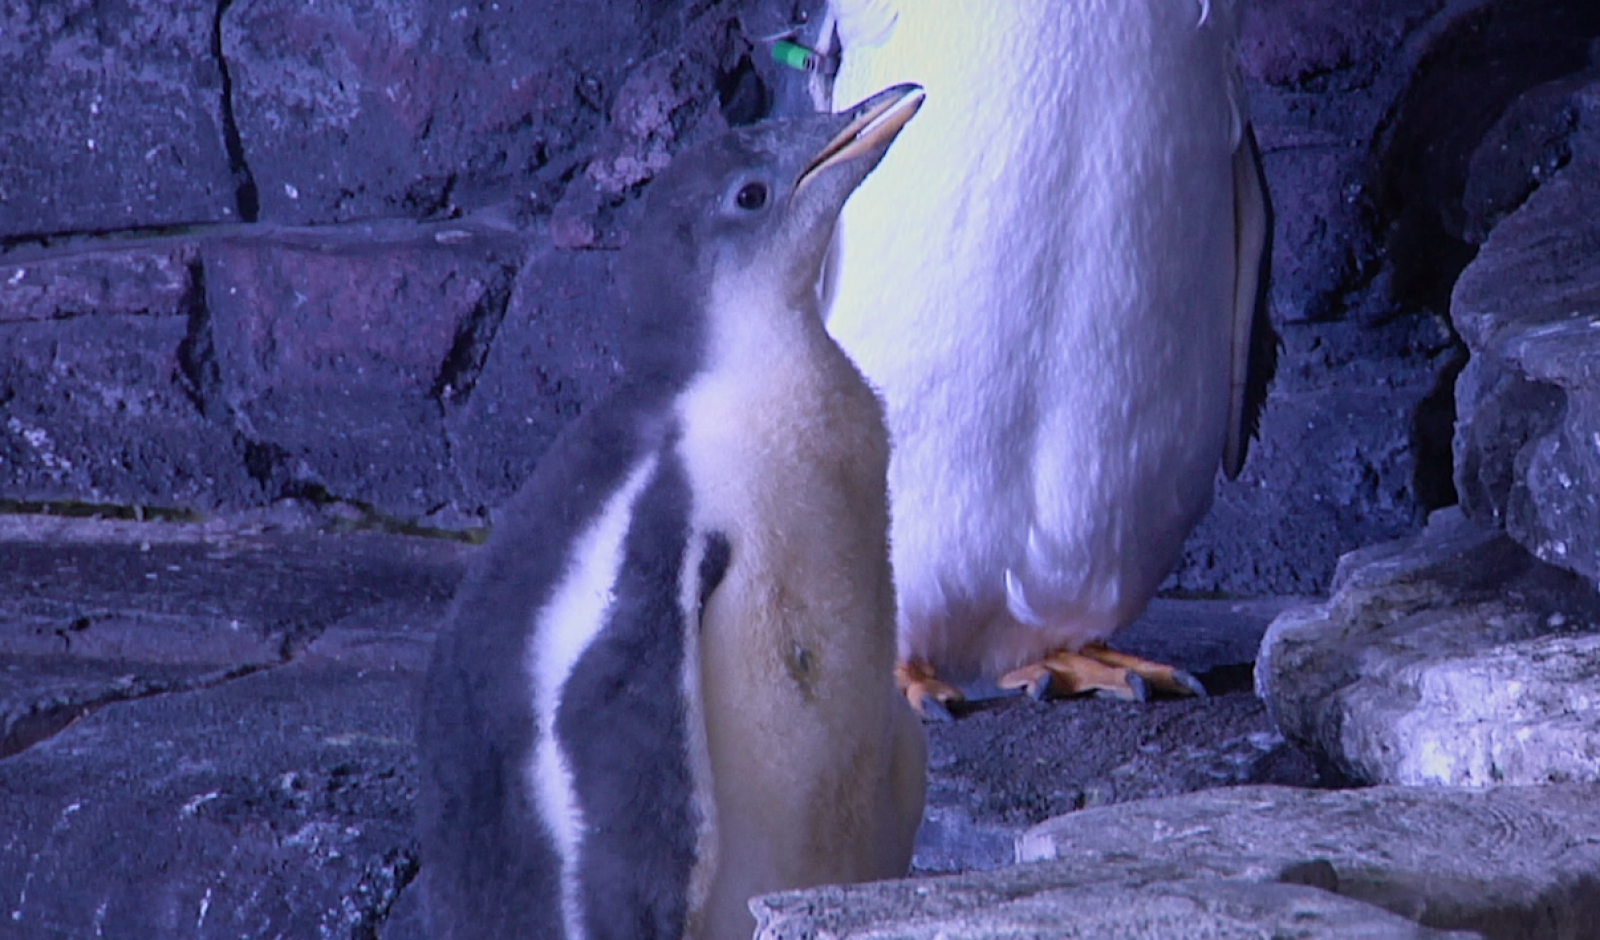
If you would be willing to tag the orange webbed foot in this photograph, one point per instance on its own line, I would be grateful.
(930, 696)
(1103, 671)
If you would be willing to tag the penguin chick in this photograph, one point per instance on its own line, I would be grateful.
(1055, 280)
(667, 687)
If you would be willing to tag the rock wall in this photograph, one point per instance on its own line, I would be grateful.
(1528, 443)
(357, 254)
(259, 251)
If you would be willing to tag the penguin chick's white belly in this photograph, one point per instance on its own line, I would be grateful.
(818, 764)
(1040, 279)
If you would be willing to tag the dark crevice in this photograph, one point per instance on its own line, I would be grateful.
(46, 718)
(247, 197)
(459, 371)
(741, 94)
(1432, 429)
(73, 509)
(197, 360)
(93, 239)
(431, 198)
(1463, 85)
(379, 889)
(1225, 680)
(266, 463)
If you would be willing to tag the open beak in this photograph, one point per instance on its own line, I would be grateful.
(872, 125)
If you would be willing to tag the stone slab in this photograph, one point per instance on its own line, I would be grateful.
(1043, 903)
(1519, 863)
(143, 665)
(1249, 861)
(555, 352)
(1527, 441)
(1451, 658)
(111, 117)
(226, 750)
(1009, 763)
(276, 804)
(97, 394)
(333, 354)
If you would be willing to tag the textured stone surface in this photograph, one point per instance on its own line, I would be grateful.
(1323, 76)
(207, 729)
(110, 117)
(537, 373)
(1451, 658)
(1528, 433)
(229, 706)
(393, 107)
(96, 402)
(1509, 863)
(542, 124)
(334, 357)
(1008, 764)
(1360, 363)
(1347, 392)
(1038, 902)
(1517, 863)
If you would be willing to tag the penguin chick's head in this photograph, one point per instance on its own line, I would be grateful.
(758, 202)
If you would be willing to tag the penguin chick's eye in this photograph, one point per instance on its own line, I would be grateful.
(752, 196)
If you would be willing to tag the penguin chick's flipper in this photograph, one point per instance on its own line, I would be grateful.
(930, 696)
(1098, 668)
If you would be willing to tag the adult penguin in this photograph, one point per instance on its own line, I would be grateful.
(1056, 282)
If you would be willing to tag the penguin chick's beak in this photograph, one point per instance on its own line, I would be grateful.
(870, 128)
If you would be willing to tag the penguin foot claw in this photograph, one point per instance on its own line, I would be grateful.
(932, 709)
(1159, 677)
(1063, 674)
(1138, 690)
(1103, 672)
(931, 697)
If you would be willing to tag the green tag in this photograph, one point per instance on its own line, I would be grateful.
(795, 56)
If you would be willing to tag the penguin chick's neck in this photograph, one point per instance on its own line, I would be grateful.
(762, 326)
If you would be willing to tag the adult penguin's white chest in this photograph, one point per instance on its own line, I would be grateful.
(1040, 279)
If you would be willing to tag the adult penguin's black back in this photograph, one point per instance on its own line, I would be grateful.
(667, 686)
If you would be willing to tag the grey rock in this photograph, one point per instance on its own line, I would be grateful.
(1053, 902)
(110, 118)
(1450, 658)
(1322, 76)
(149, 279)
(1480, 57)
(96, 398)
(554, 351)
(1346, 392)
(374, 108)
(1517, 863)
(215, 733)
(1010, 763)
(145, 666)
(1528, 431)
(1527, 146)
(333, 355)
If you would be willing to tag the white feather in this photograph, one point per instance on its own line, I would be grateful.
(864, 24)
(1039, 278)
